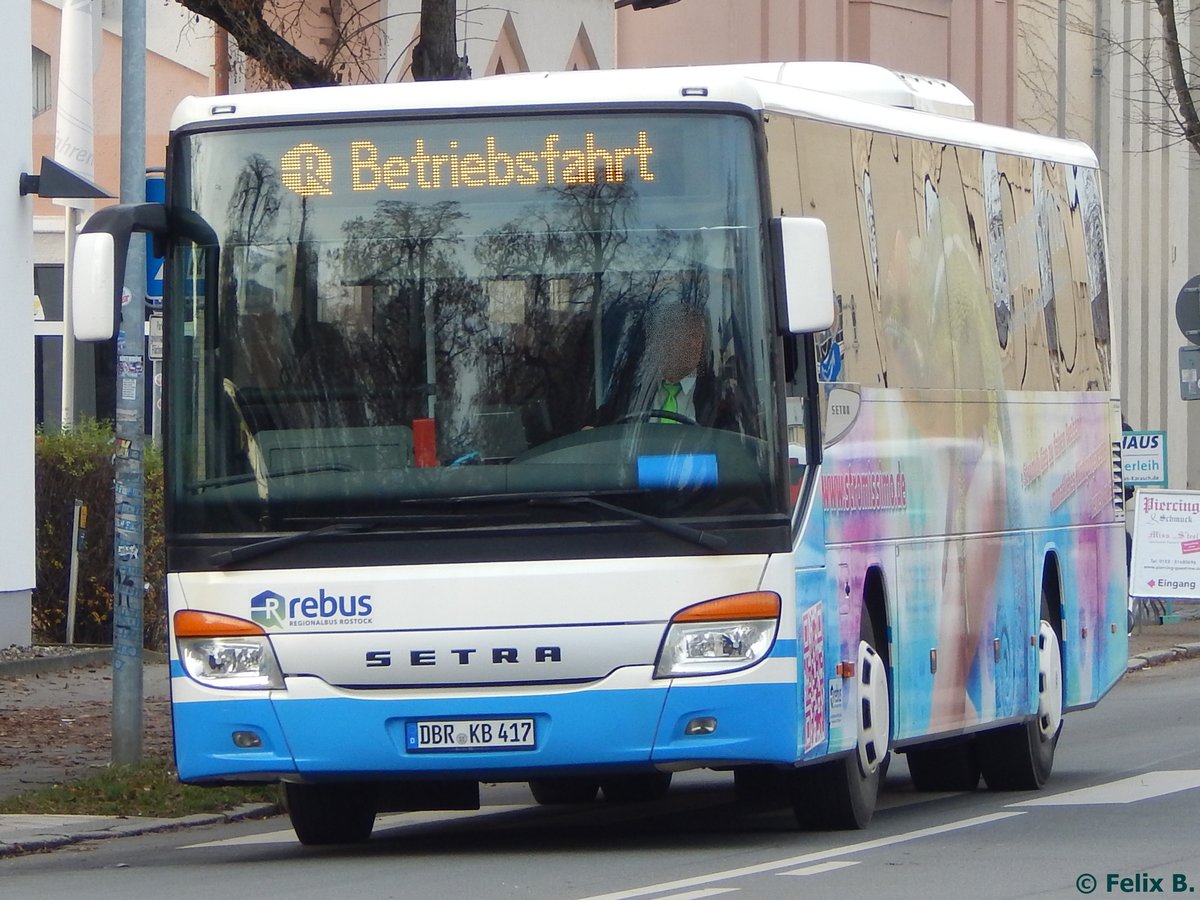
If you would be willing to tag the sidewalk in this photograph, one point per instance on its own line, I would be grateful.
(54, 726)
(1152, 644)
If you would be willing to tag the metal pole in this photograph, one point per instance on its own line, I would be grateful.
(129, 585)
(70, 227)
(78, 524)
(1061, 114)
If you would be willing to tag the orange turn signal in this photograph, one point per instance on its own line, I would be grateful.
(191, 623)
(751, 605)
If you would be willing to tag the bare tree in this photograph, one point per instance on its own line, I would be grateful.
(269, 33)
(1181, 73)
(435, 55)
(264, 41)
(1168, 66)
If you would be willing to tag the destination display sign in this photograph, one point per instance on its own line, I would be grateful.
(310, 169)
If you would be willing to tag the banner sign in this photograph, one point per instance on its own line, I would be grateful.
(1166, 545)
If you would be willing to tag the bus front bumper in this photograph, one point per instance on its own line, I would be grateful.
(627, 722)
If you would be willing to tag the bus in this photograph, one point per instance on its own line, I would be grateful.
(429, 523)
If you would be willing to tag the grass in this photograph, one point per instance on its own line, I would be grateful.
(149, 788)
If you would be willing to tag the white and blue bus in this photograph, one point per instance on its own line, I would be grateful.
(430, 522)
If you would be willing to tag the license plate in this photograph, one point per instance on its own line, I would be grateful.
(471, 734)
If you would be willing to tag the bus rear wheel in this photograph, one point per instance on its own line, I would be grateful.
(1020, 757)
(842, 794)
(330, 813)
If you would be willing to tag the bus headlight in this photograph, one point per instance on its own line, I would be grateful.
(226, 652)
(721, 635)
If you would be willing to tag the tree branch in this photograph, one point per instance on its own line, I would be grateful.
(244, 21)
(1185, 104)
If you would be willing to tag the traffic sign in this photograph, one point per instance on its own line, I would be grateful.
(1187, 309)
(156, 192)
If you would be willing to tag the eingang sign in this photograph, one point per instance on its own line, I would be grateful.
(1166, 545)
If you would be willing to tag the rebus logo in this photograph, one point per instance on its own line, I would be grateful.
(272, 609)
(266, 608)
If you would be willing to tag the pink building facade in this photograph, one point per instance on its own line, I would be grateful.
(167, 82)
(967, 42)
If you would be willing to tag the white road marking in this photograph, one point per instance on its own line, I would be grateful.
(1127, 790)
(697, 895)
(817, 856)
(821, 868)
(268, 837)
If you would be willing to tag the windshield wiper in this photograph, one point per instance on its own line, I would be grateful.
(565, 499)
(687, 532)
(255, 549)
(574, 498)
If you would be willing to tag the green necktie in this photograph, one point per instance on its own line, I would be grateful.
(671, 401)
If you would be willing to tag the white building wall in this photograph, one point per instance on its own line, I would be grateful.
(1153, 187)
(171, 31)
(16, 334)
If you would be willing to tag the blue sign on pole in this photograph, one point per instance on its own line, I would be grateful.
(156, 192)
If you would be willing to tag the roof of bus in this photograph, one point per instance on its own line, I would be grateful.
(858, 94)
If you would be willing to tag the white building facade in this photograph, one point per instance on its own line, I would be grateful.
(16, 338)
(1094, 70)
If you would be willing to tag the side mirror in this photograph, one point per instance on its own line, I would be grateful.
(93, 278)
(98, 271)
(803, 274)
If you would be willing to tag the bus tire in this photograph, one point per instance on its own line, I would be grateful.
(640, 788)
(841, 794)
(330, 813)
(556, 791)
(944, 767)
(1020, 757)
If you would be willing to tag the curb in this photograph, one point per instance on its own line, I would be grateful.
(47, 665)
(1160, 657)
(83, 658)
(142, 826)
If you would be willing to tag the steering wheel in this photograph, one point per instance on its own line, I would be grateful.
(646, 415)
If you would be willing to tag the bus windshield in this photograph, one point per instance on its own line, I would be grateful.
(370, 315)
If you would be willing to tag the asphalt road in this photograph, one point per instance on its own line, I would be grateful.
(1119, 806)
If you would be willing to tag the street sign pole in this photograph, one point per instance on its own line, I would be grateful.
(128, 579)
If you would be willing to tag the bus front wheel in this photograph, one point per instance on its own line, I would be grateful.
(841, 794)
(330, 813)
(1020, 757)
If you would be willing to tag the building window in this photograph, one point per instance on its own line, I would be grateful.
(41, 82)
